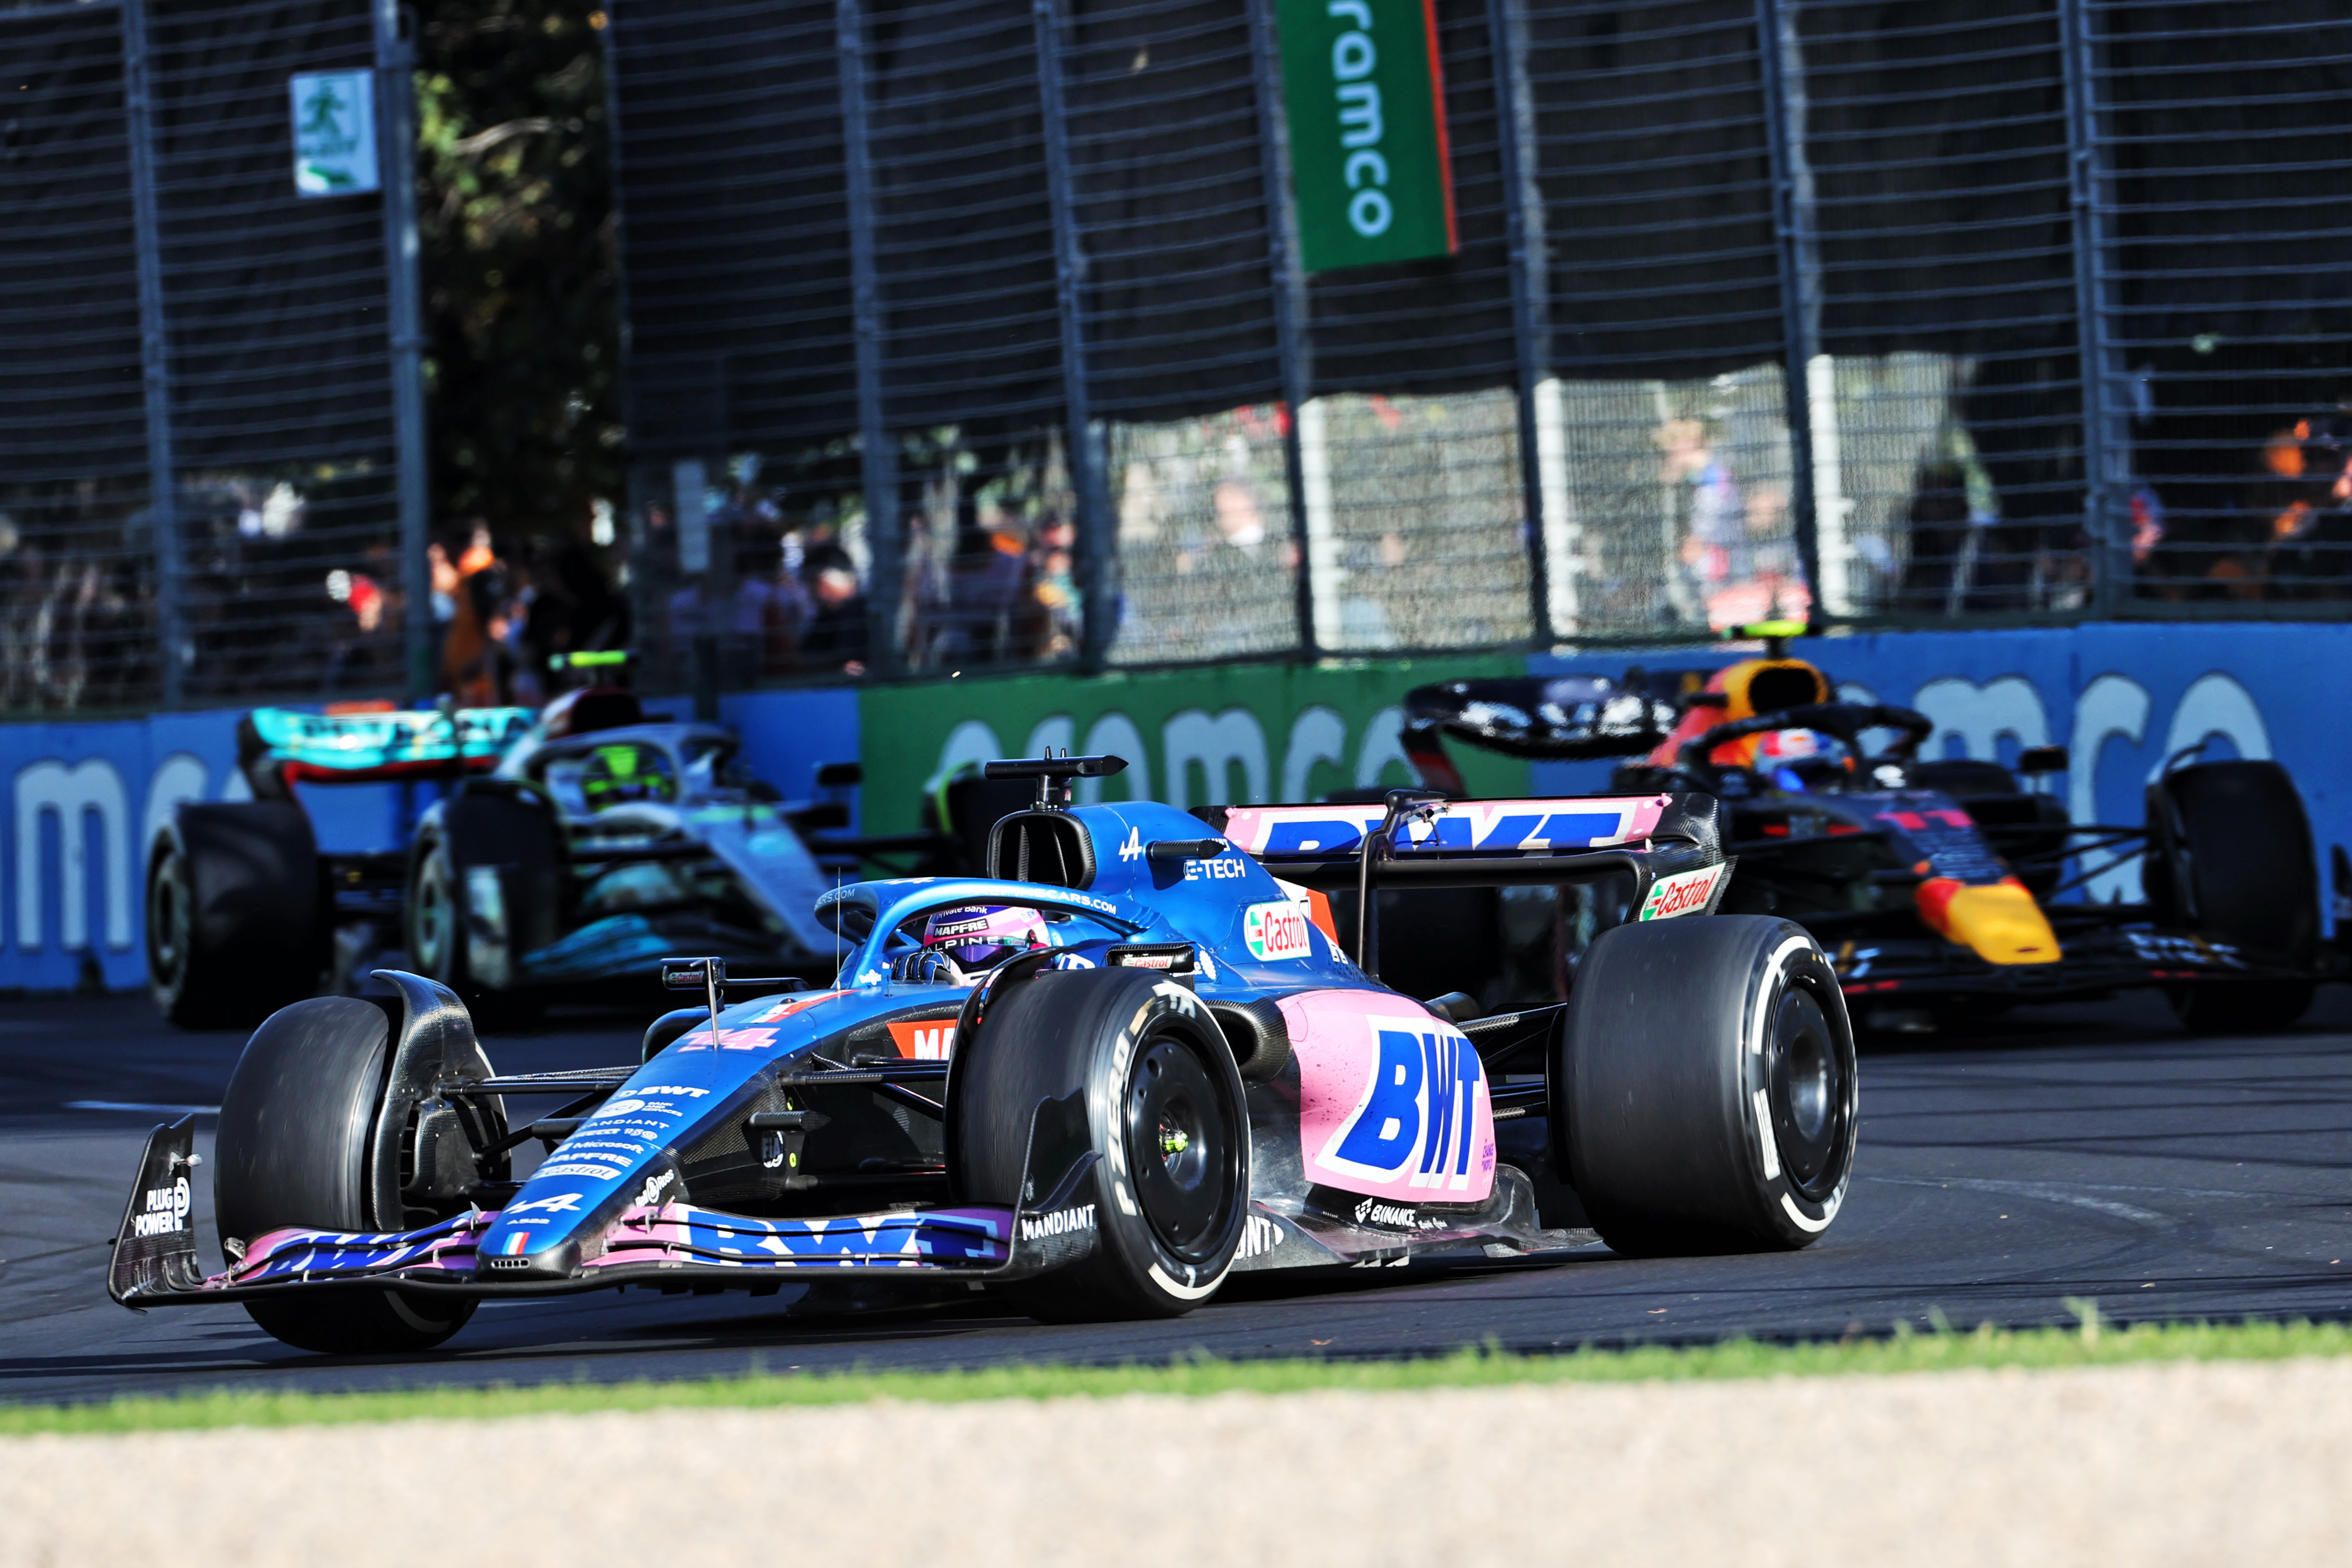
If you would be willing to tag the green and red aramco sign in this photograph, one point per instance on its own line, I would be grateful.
(1366, 100)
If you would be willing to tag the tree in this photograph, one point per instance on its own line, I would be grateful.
(515, 214)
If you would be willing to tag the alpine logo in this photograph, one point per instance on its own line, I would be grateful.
(560, 1202)
(1132, 849)
(1276, 930)
(1684, 893)
(166, 1211)
(1061, 1222)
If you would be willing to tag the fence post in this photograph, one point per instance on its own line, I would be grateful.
(395, 69)
(1796, 234)
(155, 362)
(1530, 302)
(2090, 187)
(1096, 541)
(878, 458)
(1289, 302)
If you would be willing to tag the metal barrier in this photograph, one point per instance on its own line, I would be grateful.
(198, 463)
(1757, 307)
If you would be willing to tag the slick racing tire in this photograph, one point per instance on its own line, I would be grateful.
(292, 1150)
(436, 915)
(237, 921)
(512, 836)
(2230, 857)
(1704, 1087)
(1164, 1109)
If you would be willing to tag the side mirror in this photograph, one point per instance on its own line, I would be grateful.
(2035, 761)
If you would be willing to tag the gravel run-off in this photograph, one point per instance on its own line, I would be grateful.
(2148, 1465)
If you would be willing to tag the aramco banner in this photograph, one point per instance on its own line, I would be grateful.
(1226, 734)
(1366, 99)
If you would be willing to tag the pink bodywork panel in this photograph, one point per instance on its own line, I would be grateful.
(1393, 1102)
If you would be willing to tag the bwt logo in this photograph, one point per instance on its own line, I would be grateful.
(1420, 1115)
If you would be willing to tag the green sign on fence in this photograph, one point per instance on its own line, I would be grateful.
(1366, 100)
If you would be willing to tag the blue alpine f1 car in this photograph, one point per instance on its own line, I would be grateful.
(1140, 1057)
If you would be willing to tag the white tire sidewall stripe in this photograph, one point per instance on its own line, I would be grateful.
(1763, 999)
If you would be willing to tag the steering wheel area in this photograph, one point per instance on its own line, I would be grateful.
(1844, 721)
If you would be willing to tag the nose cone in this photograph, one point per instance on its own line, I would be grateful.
(1997, 921)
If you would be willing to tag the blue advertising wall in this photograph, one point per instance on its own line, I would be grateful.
(83, 799)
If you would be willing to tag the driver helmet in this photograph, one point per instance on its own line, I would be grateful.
(978, 936)
(627, 773)
(1802, 760)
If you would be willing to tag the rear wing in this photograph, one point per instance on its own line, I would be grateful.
(1669, 846)
(277, 746)
(1420, 838)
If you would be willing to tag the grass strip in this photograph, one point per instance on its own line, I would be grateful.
(2094, 1342)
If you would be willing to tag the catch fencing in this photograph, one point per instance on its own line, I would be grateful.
(199, 460)
(973, 332)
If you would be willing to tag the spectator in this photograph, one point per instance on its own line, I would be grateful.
(837, 633)
(2309, 498)
(476, 665)
(1713, 555)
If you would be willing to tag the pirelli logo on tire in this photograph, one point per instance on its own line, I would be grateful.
(1685, 892)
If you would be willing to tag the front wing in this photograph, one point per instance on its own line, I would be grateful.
(672, 1243)
(2097, 958)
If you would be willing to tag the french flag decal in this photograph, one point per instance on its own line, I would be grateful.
(518, 1243)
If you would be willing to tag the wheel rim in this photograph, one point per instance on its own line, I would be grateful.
(1809, 1091)
(1185, 1162)
(168, 922)
(434, 916)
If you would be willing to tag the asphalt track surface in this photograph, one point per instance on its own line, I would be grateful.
(2088, 1152)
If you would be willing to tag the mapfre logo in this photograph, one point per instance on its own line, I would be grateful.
(1684, 893)
(933, 1042)
(1276, 930)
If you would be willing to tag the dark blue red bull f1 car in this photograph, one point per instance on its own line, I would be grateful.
(1140, 1056)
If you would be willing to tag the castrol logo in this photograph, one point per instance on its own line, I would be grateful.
(1275, 931)
(1684, 893)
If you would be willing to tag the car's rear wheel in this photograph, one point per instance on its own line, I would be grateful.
(235, 912)
(2230, 857)
(292, 1150)
(1163, 1110)
(1705, 1088)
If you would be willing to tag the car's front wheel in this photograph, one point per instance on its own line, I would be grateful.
(293, 1150)
(2230, 857)
(1163, 1110)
